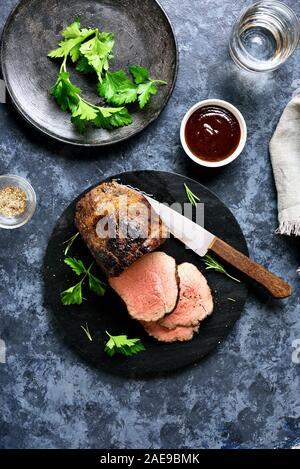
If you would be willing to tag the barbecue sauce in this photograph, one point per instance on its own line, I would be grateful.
(212, 133)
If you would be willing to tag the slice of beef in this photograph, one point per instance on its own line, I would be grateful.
(163, 334)
(118, 226)
(195, 299)
(149, 287)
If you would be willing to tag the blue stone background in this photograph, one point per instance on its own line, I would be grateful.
(244, 395)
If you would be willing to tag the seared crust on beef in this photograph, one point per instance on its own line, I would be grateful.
(104, 203)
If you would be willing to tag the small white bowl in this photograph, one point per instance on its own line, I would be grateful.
(10, 180)
(242, 124)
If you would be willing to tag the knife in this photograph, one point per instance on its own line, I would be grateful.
(201, 241)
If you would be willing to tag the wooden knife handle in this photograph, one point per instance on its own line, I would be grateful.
(277, 287)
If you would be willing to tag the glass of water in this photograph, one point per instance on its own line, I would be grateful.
(266, 34)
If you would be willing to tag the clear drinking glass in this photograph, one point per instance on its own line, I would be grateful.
(265, 35)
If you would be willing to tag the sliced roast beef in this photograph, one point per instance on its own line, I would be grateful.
(163, 334)
(149, 287)
(195, 299)
(118, 226)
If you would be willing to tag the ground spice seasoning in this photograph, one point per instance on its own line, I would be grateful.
(12, 201)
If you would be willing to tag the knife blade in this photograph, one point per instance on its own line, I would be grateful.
(201, 241)
(190, 233)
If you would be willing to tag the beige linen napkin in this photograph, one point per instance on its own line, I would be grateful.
(285, 157)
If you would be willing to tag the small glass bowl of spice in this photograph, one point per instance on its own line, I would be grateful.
(17, 201)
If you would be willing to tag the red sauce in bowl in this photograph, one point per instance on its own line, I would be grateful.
(212, 133)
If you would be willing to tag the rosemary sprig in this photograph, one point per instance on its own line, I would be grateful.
(193, 198)
(212, 264)
(87, 331)
(70, 242)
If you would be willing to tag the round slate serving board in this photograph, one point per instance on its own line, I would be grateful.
(143, 36)
(109, 313)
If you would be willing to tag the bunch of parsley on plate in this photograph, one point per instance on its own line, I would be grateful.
(91, 50)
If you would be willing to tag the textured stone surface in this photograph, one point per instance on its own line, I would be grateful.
(246, 394)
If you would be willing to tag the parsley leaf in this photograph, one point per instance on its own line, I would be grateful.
(96, 285)
(74, 36)
(122, 345)
(98, 51)
(63, 49)
(139, 74)
(116, 88)
(85, 111)
(80, 124)
(73, 295)
(66, 94)
(83, 65)
(76, 265)
(73, 30)
(112, 117)
(120, 117)
(145, 90)
(69, 46)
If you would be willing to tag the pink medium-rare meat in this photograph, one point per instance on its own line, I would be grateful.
(163, 334)
(149, 287)
(195, 300)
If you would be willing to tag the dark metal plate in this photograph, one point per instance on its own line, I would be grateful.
(143, 35)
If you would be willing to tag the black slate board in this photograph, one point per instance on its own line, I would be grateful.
(143, 36)
(109, 313)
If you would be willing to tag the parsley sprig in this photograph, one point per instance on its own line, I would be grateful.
(73, 295)
(122, 345)
(91, 50)
(212, 264)
(94, 49)
(69, 98)
(118, 89)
